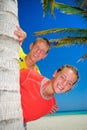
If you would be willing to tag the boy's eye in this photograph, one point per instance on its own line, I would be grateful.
(62, 77)
(70, 84)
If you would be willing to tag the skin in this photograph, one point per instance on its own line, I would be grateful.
(62, 81)
(21, 35)
(37, 52)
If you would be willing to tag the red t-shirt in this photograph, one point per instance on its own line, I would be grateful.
(34, 104)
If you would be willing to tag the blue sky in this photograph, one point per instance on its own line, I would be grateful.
(31, 20)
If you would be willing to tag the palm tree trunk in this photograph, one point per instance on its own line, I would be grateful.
(10, 105)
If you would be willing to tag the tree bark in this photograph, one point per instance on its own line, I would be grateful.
(10, 103)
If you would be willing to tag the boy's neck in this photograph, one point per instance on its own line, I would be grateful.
(30, 64)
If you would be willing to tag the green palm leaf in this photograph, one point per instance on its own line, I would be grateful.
(55, 30)
(52, 5)
(82, 3)
(78, 31)
(48, 5)
(69, 41)
(71, 9)
(82, 58)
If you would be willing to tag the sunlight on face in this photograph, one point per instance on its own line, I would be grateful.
(39, 51)
(64, 80)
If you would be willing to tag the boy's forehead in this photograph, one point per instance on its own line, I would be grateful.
(67, 70)
(40, 42)
(69, 73)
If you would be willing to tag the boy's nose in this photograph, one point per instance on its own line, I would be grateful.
(38, 51)
(64, 83)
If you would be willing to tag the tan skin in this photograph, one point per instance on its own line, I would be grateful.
(62, 81)
(37, 52)
(21, 35)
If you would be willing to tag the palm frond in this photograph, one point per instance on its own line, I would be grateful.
(48, 5)
(76, 31)
(55, 30)
(71, 9)
(52, 5)
(84, 4)
(69, 41)
(82, 58)
(81, 3)
(45, 4)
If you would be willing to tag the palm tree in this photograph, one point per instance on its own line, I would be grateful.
(10, 105)
(68, 39)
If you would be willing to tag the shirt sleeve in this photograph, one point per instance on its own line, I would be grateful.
(21, 53)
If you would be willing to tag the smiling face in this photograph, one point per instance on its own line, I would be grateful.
(64, 80)
(38, 50)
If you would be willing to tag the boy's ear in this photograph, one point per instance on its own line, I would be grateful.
(44, 56)
(55, 72)
(30, 47)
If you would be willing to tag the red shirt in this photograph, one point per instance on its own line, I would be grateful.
(34, 104)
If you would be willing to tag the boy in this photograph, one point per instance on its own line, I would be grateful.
(37, 92)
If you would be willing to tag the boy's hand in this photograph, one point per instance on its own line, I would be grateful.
(53, 109)
(20, 34)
